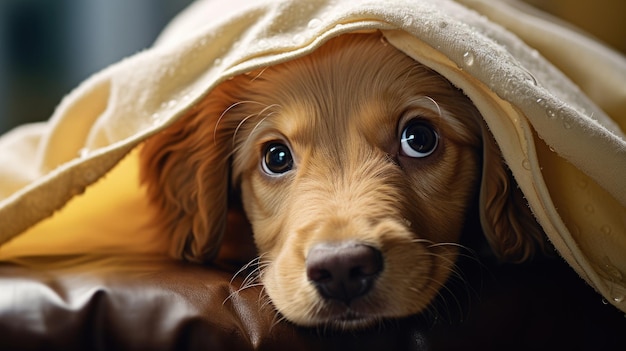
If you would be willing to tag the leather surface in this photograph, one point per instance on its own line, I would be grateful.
(137, 303)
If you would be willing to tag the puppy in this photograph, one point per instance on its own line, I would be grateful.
(356, 167)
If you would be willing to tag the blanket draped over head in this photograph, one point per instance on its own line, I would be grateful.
(554, 100)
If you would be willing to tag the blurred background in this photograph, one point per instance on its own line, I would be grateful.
(47, 47)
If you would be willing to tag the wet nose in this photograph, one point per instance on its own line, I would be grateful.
(343, 271)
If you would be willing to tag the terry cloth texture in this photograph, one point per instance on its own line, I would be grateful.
(554, 99)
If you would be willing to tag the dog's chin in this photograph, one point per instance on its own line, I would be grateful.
(337, 316)
(352, 320)
(341, 317)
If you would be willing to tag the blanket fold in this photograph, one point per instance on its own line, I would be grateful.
(554, 100)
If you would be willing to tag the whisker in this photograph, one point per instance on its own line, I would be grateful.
(449, 244)
(240, 124)
(259, 74)
(252, 279)
(264, 118)
(254, 261)
(454, 271)
(407, 75)
(465, 251)
(418, 100)
(452, 262)
(422, 241)
(457, 245)
(259, 113)
(236, 148)
(221, 117)
(277, 319)
(436, 104)
(248, 140)
(267, 302)
(236, 292)
(443, 287)
(431, 311)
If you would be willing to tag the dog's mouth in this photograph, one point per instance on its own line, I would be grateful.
(350, 316)
(354, 320)
(347, 317)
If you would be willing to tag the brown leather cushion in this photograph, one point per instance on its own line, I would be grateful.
(91, 303)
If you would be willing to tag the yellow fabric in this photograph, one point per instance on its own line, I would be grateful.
(554, 100)
(111, 216)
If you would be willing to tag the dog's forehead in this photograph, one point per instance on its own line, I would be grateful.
(368, 122)
(337, 96)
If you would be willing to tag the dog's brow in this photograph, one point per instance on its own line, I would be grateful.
(224, 113)
(426, 102)
(266, 112)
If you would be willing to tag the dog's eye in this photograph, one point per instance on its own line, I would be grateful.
(277, 159)
(419, 139)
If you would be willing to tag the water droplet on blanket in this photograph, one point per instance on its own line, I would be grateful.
(157, 119)
(526, 164)
(616, 291)
(84, 152)
(186, 97)
(614, 274)
(540, 102)
(605, 302)
(530, 77)
(443, 25)
(314, 23)
(298, 39)
(567, 125)
(262, 43)
(170, 104)
(468, 58)
(534, 54)
(550, 113)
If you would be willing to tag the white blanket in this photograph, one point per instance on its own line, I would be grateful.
(554, 100)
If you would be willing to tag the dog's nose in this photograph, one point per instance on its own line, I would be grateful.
(343, 271)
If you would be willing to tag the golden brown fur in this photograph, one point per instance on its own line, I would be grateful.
(341, 111)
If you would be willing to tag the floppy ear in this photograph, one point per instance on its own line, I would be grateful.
(507, 221)
(186, 170)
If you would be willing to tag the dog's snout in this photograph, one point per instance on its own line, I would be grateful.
(343, 271)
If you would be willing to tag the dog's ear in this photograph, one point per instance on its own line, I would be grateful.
(507, 221)
(186, 171)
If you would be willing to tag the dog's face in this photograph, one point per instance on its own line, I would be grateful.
(356, 172)
(356, 167)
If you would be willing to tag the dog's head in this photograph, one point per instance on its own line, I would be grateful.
(356, 166)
